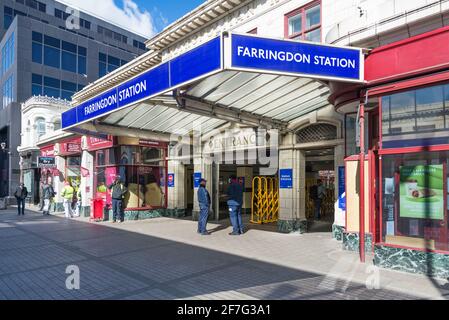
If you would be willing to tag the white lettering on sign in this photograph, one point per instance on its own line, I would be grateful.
(103, 103)
(133, 90)
(297, 57)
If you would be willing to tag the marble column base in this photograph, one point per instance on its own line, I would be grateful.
(131, 215)
(337, 232)
(292, 226)
(414, 261)
(351, 241)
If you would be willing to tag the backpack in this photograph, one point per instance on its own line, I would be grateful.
(314, 192)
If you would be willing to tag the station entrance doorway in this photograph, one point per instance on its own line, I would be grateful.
(320, 179)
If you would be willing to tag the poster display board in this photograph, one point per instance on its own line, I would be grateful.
(421, 192)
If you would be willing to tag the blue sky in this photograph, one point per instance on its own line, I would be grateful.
(145, 17)
(166, 11)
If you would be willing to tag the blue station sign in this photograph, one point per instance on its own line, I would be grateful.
(236, 52)
(305, 59)
(198, 62)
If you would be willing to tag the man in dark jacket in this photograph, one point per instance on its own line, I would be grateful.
(118, 194)
(21, 194)
(235, 201)
(204, 203)
(47, 194)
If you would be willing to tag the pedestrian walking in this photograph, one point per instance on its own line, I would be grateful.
(235, 201)
(76, 204)
(47, 195)
(21, 194)
(67, 194)
(317, 193)
(204, 203)
(118, 194)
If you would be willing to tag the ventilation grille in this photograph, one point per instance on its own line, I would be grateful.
(316, 132)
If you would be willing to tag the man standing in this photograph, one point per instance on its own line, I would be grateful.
(118, 194)
(21, 194)
(67, 193)
(47, 194)
(319, 195)
(235, 200)
(204, 202)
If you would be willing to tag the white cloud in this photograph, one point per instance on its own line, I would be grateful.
(129, 17)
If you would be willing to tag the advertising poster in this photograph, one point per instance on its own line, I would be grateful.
(421, 192)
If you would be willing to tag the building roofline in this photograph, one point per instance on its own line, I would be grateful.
(203, 15)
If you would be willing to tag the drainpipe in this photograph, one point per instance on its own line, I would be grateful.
(362, 183)
(362, 179)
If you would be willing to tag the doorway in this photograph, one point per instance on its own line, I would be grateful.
(320, 170)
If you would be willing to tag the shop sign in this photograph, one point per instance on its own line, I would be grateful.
(73, 147)
(171, 180)
(46, 162)
(144, 170)
(150, 143)
(84, 172)
(48, 151)
(341, 188)
(95, 143)
(286, 178)
(298, 58)
(196, 179)
(421, 194)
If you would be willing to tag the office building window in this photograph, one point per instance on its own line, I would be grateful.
(82, 61)
(53, 87)
(112, 34)
(34, 4)
(8, 16)
(36, 84)
(68, 56)
(107, 63)
(304, 23)
(59, 54)
(68, 89)
(138, 44)
(7, 91)
(8, 54)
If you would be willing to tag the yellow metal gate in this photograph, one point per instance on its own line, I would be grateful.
(264, 200)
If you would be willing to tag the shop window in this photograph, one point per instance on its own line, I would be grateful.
(142, 170)
(416, 117)
(304, 23)
(415, 200)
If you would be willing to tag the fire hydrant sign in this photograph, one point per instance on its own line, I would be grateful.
(421, 192)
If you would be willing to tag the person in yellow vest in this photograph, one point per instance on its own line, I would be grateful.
(102, 187)
(67, 194)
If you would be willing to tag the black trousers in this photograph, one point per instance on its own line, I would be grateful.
(20, 206)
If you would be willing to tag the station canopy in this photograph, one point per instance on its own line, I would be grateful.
(233, 77)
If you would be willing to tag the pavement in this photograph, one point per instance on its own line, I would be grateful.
(165, 258)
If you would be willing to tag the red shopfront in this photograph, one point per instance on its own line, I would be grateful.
(141, 165)
(71, 150)
(406, 104)
(48, 167)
